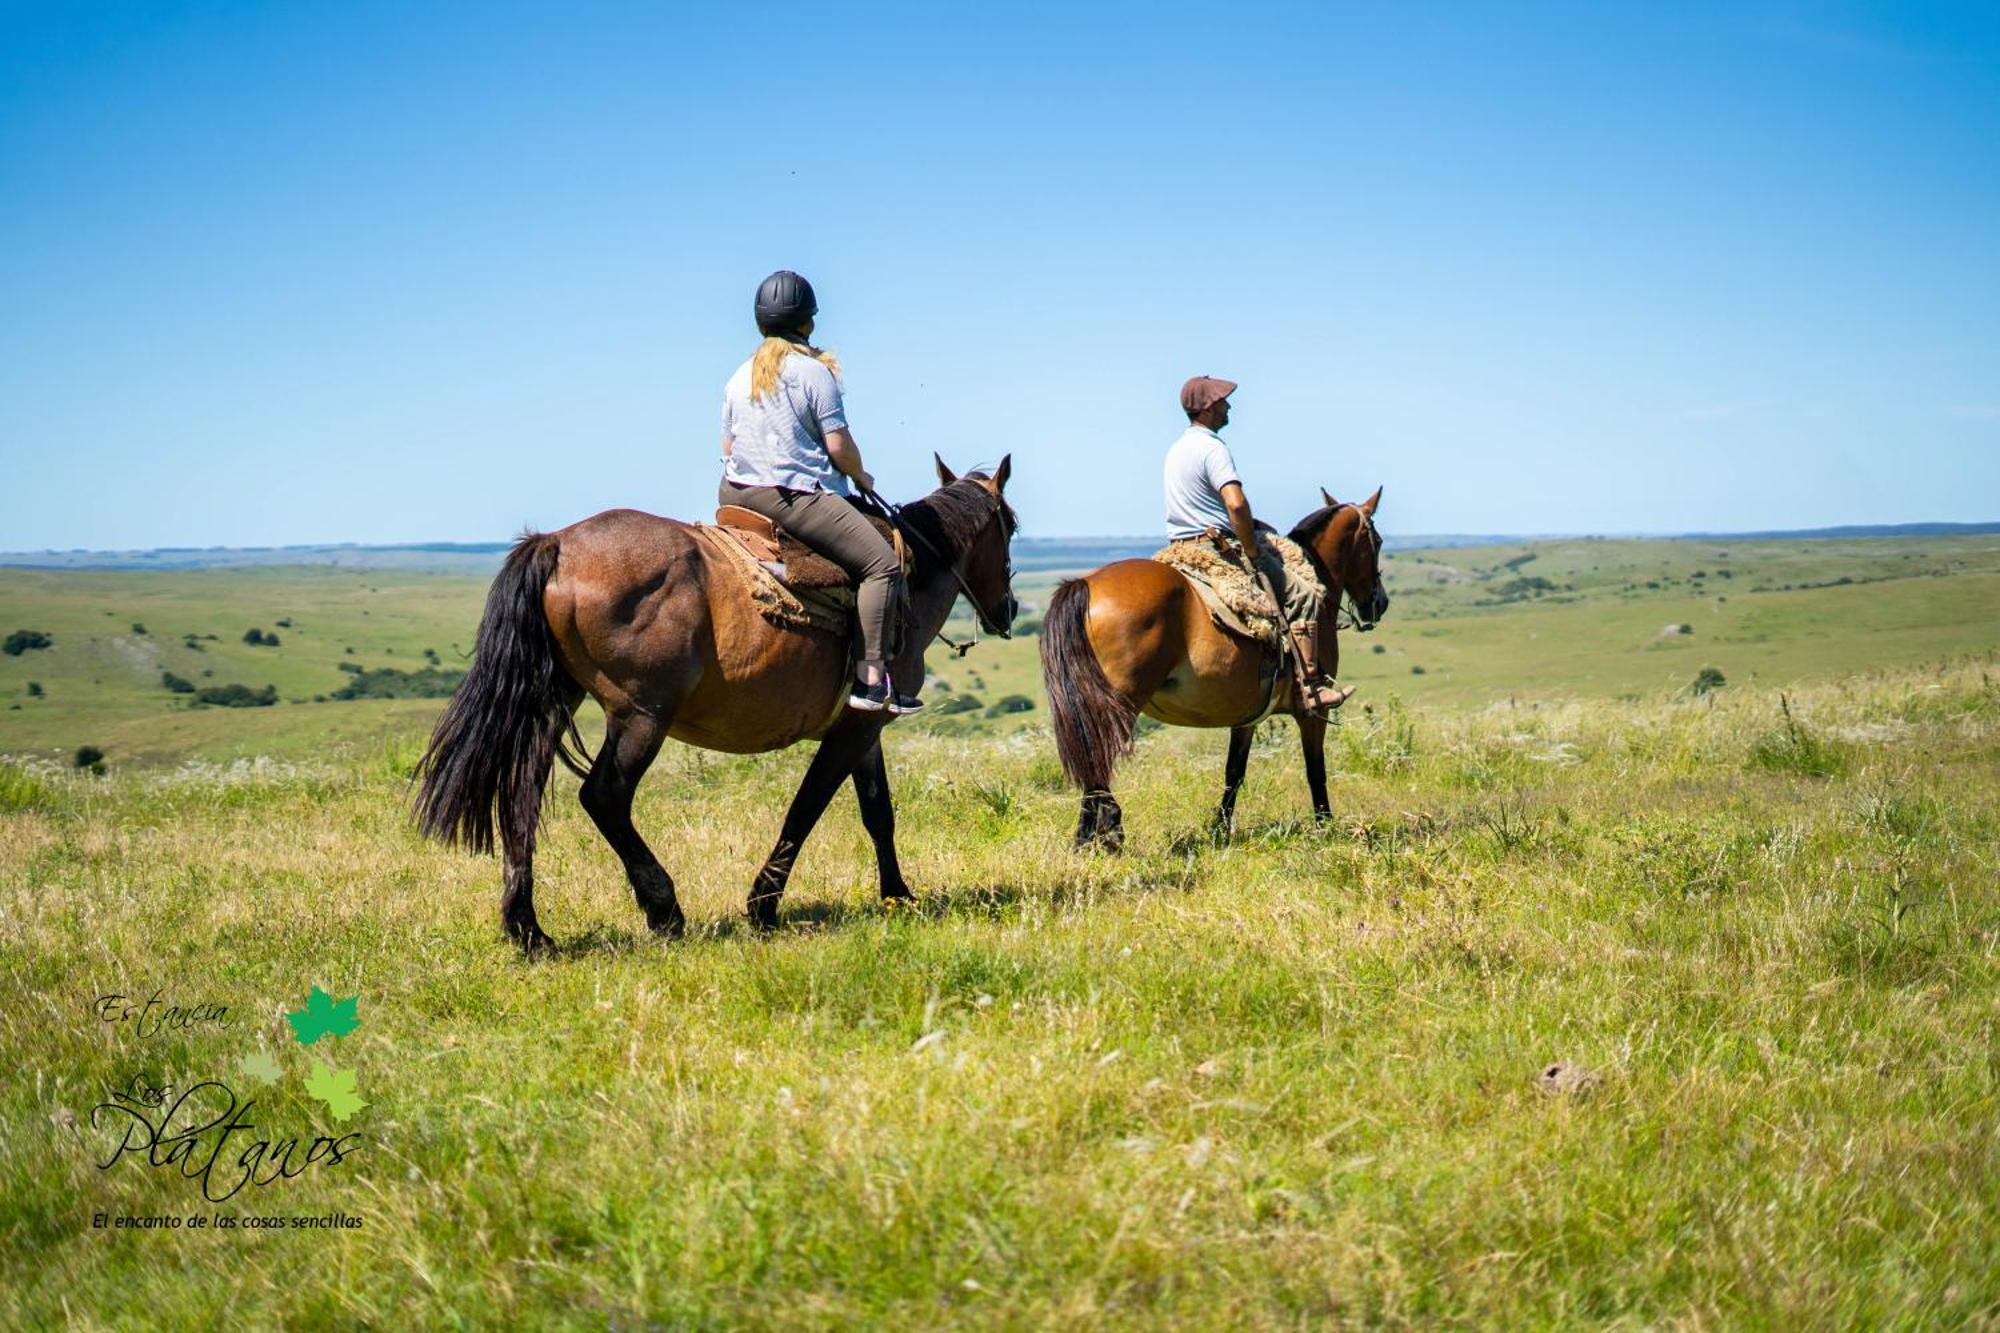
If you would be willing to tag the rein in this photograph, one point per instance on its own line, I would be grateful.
(895, 513)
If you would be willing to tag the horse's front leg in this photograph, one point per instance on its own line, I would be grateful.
(878, 816)
(1312, 740)
(1232, 778)
(838, 753)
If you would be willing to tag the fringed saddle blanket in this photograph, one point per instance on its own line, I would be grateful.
(829, 610)
(1235, 598)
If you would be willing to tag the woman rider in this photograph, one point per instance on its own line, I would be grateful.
(787, 454)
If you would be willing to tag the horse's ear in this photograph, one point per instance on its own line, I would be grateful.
(1001, 473)
(1327, 496)
(945, 475)
(1368, 505)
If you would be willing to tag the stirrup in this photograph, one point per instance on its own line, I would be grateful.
(1324, 698)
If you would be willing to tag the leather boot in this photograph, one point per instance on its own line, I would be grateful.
(1316, 692)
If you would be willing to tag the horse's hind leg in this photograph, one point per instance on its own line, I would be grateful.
(1100, 823)
(878, 816)
(630, 742)
(1232, 778)
(517, 895)
(518, 820)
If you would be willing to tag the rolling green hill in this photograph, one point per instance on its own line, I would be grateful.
(1469, 625)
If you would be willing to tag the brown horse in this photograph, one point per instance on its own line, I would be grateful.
(640, 613)
(1134, 637)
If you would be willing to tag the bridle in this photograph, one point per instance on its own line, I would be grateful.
(1351, 618)
(980, 620)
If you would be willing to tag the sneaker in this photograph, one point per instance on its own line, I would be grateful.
(869, 698)
(900, 702)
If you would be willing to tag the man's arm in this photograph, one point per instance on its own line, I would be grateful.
(846, 456)
(727, 442)
(1240, 520)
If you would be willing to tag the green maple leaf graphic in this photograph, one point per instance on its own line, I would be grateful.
(323, 1016)
(259, 1067)
(335, 1087)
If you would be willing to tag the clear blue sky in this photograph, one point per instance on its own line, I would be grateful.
(377, 272)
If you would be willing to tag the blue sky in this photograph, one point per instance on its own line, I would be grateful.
(296, 273)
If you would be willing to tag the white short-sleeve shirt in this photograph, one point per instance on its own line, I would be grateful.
(1198, 467)
(780, 439)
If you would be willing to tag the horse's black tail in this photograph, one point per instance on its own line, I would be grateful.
(491, 751)
(1093, 722)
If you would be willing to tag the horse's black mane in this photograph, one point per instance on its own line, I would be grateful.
(950, 518)
(1310, 526)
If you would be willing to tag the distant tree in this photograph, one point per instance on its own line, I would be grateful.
(957, 703)
(1379, 648)
(178, 684)
(1012, 703)
(390, 683)
(35, 689)
(90, 757)
(21, 640)
(138, 628)
(237, 696)
(1707, 679)
(286, 623)
(1416, 671)
(253, 635)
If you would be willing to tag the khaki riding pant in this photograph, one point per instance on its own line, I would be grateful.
(1301, 600)
(832, 526)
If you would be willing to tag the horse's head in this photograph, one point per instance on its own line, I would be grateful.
(1344, 540)
(977, 526)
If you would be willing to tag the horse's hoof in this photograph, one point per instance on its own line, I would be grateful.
(900, 894)
(534, 942)
(764, 915)
(671, 927)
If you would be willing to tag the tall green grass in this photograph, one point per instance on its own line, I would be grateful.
(1296, 1078)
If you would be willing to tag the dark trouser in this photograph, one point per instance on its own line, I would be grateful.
(837, 530)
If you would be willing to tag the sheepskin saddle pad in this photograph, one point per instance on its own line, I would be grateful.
(1235, 597)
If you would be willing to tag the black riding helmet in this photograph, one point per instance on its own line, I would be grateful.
(785, 301)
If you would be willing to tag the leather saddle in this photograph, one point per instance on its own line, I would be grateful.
(795, 564)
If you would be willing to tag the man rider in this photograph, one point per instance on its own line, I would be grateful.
(1205, 495)
(787, 454)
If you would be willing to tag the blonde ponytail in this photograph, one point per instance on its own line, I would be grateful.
(770, 359)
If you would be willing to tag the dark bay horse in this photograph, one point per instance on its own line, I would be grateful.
(639, 613)
(1134, 637)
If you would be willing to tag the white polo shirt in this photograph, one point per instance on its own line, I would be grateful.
(1198, 467)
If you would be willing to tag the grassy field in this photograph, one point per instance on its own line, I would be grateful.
(1302, 1077)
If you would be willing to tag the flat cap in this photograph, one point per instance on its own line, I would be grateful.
(1204, 391)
